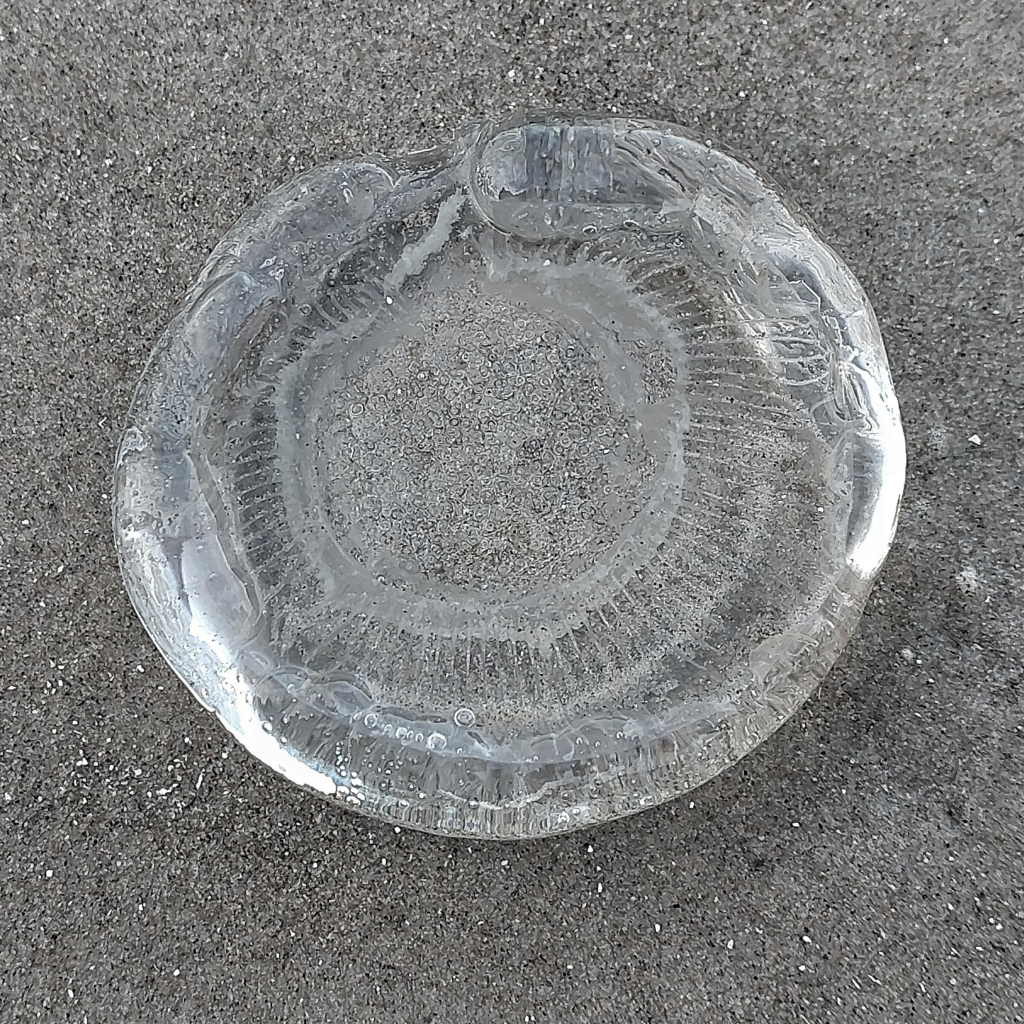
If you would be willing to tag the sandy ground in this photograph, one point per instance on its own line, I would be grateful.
(863, 865)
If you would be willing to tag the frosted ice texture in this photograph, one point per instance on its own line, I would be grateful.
(513, 485)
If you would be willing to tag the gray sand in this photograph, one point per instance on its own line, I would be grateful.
(863, 865)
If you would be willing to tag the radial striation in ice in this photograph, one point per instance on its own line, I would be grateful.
(513, 485)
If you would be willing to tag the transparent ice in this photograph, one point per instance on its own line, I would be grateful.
(514, 485)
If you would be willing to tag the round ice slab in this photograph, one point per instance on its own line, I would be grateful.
(514, 485)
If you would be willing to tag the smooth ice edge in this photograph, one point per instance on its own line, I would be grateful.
(865, 560)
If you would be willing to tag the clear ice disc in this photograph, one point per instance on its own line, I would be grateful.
(513, 485)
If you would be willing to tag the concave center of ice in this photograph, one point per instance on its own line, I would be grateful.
(496, 436)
